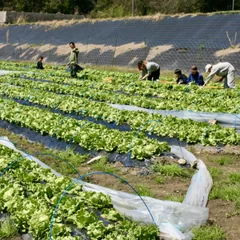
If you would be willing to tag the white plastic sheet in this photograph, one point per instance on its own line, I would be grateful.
(4, 72)
(224, 119)
(173, 219)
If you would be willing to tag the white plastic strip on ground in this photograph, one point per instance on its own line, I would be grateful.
(4, 72)
(224, 119)
(173, 219)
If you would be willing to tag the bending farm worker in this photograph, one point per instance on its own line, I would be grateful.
(40, 63)
(73, 60)
(225, 70)
(150, 70)
(181, 78)
(195, 76)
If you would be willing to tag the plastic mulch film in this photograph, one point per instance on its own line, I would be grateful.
(3, 72)
(224, 119)
(173, 219)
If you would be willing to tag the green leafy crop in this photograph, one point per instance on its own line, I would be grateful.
(30, 193)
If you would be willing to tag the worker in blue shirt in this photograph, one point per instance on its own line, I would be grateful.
(195, 77)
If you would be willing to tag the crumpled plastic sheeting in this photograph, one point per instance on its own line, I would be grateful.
(173, 219)
(224, 119)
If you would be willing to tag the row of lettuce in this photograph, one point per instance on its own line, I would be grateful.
(141, 94)
(164, 126)
(31, 195)
(88, 135)
(60, 71)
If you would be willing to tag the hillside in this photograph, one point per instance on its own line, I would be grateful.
(173, 41)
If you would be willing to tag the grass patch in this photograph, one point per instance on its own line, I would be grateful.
(144, 191)
(7, 228)
(172, 171)
(174, 198)
(237, 204)
(159, 180)
(234, 178)
(224, 160)
(228, 193)
(33, 45)
(215, 172)
(64, 162)
(233, 214)
(103, 165)
(226, 189)
(209, 233)
(74, 158)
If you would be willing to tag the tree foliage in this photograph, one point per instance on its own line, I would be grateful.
(49, 6)
(118, 8)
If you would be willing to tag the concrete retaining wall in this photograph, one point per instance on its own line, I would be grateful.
(2, 17)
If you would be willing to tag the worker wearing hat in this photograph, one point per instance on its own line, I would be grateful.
(225, 70)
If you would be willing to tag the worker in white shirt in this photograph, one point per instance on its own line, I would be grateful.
(225, 70)
(150, 70)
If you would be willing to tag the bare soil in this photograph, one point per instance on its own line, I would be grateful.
(17, 237)
(220, 209)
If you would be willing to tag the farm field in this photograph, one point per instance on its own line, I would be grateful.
(67, 122)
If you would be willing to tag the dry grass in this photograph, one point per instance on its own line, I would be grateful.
(228, 51)
(22, 19)
(64, 23)
(154, 17)
(59, 23)
(128, 47)
(157, 50)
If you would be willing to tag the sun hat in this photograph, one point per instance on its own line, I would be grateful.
(207, 67)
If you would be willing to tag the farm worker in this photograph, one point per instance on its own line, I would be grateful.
(181, 78)
(225, 70)
(150, 70)
(73, 60)
(195, 77)
(40, 63)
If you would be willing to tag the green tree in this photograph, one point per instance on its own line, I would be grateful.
(1, 4)
(215, 5)
(82, 6)
(144, 7)
(69, 6)
(118, 8)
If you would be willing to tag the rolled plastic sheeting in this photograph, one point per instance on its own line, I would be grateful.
(201, 184)
(224, 119)
(174, 219)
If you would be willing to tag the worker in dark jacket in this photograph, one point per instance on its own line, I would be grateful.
(40, 63)
(181, 78)
(195, 77)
